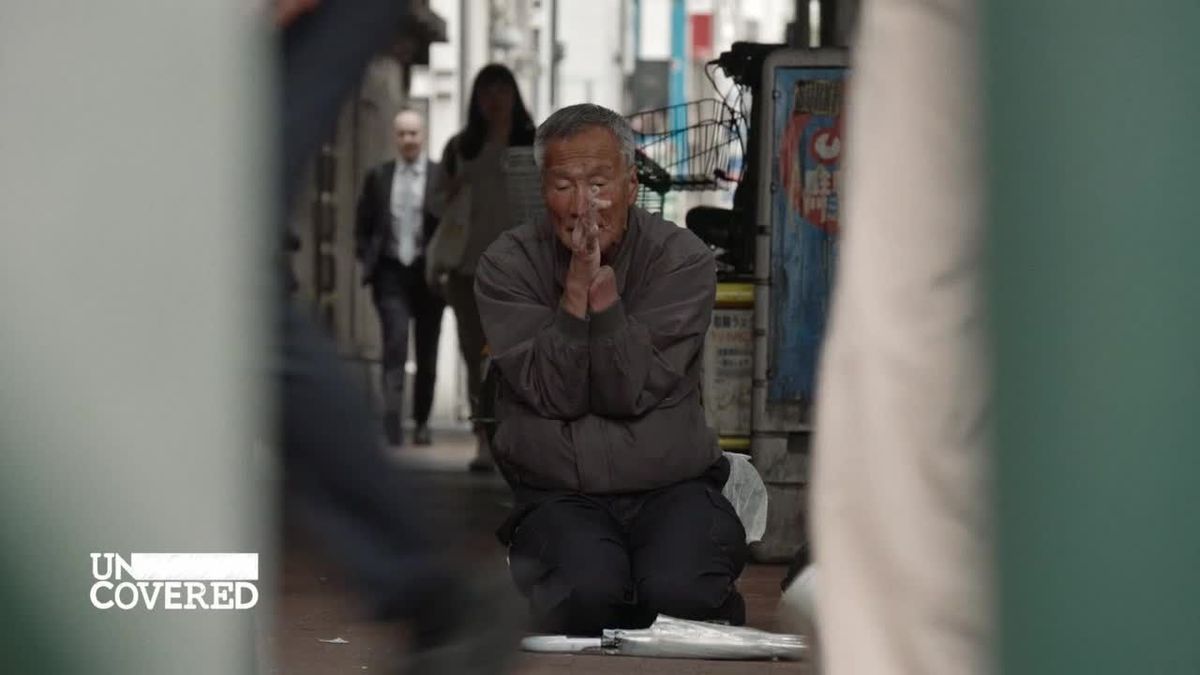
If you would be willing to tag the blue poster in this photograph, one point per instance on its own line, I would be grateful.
(805, 211)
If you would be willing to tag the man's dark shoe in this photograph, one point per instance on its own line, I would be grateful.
(393, 429)
(421, 435)
(482, 463)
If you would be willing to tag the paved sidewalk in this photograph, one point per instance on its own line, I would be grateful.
(316, 603)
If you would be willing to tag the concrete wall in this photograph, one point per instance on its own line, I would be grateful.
(591, 69)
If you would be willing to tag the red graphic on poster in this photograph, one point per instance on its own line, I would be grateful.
(826, 146)
(809, 158)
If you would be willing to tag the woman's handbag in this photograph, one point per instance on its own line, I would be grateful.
(444, 254)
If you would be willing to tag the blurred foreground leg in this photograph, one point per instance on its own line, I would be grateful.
(900, 489)
(365, 508)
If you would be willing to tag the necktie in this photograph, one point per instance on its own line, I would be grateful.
(407, 249)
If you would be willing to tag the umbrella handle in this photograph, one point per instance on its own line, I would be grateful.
(559, 644)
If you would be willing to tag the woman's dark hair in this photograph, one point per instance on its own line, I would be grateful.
(523, 129)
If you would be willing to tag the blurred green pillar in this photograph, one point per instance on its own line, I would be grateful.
(1094, 154)
(136, 203)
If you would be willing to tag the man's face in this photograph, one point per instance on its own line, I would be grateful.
(577, 167)
(409, 132)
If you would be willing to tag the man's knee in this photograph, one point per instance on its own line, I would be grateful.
(690, 563)
(699, 597)
(566, 557)
(596, 602)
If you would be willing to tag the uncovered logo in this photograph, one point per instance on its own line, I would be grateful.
(175, 581)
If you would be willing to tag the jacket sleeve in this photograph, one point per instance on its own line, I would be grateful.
(364, 216)
(540, 349)
(443, 176)
(639, 359)
(449, 161)
(432, 212)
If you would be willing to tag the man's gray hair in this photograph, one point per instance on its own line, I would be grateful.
(573, 119)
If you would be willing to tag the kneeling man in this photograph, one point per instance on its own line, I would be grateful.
(596, 321)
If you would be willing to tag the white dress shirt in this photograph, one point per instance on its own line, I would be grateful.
(408, 192)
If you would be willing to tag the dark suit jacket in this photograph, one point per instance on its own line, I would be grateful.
(373, 220)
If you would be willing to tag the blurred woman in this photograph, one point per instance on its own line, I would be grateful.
(496, 120)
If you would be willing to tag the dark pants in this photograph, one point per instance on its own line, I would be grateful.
(401, 296)
(366, 510)
(460, 291)
(587, 563)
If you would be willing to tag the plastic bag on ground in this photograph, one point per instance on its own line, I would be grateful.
(748, 494)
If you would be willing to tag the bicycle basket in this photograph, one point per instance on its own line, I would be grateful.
(693, 144)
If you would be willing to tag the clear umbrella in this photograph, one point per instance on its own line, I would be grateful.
(675, 638)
